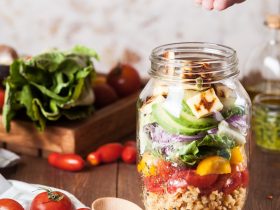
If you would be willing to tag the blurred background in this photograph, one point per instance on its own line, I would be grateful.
(127, 30)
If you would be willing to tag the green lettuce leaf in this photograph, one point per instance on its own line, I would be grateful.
(49, 61)
(82, 50)
(9, 109)
(51, 85)
(237, 110)
(190, 154)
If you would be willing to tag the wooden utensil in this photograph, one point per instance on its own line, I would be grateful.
(110, 203)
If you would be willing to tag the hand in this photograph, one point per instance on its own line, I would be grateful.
(217, 4)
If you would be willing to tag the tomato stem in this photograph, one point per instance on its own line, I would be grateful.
(52, 196)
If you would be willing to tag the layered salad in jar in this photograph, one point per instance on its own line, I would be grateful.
(192, 146)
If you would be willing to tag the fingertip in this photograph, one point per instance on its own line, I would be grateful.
(207, 4)
(222, 4)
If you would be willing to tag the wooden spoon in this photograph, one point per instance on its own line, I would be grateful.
(110, 203)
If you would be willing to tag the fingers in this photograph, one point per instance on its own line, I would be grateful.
(208, 4)
(222, 4)
(217, 4)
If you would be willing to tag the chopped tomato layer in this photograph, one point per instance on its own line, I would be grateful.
(170, 179)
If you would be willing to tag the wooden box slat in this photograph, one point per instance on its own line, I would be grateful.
(108, 124)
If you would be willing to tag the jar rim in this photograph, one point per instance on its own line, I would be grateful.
(187, 61)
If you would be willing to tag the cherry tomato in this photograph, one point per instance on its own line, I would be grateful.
(104, 95)
(68, 162)
(94, 158)
(165, 169)
(236, 179)
(230, 182)
(130, 143)
(10, 204)
(175, 183)
(2, 98)
(201, 181)
(157, 183)
(154, 184)
(191, 178)
(233, 182)
(110, 152)
(124, 79)
(51, 200)
(52, 158)
(129, 154)
(245, 178)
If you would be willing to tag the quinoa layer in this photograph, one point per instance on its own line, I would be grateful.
(192, 200)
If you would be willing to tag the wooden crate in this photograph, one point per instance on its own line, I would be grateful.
(105, 125)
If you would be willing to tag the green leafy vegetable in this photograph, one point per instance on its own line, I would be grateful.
(237, 110)
(210, 145)
(214, 140)
(50, 85)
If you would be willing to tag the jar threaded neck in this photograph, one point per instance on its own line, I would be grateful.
(189, 61)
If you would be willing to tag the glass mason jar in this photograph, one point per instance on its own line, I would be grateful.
(193, 129)
(266, 122)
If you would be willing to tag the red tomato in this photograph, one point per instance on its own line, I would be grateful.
(10, 204)
(2, 98)
(104, 95)
(201, 182)
(176, 182)
(130, 143)
(154, 184)
(68, 162)
(124, 79)
(245, 178)
(52, 158)
(51, 200)
(187, 177)
(165, 168)
(83, 209)
(110, 152)
(157, 184)
(129, 154)
(194, 179)
(233, 182)
(94, 158)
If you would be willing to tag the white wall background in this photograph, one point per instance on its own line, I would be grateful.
(127, 29)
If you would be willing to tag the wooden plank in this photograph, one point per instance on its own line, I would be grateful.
(45, 153)
(95, 182)
(24, 134)
(23, 149)
(264, 180)
(129, 185)
(2, 144)
(107, 125)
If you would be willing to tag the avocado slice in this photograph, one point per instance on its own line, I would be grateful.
(186, 108)
(182, 125)
(193, 122)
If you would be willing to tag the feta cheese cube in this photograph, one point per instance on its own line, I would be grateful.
(147, 107)
(205, 103)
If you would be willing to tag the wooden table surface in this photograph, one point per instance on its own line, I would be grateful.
(121, 180)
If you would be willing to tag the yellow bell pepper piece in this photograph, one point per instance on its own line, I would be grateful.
(213, 165)
(236, 155)
(147, 165)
